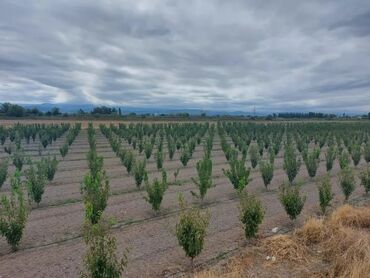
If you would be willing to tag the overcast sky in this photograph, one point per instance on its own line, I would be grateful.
(209, 54)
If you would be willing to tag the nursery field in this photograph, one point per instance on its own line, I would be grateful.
(139, 170)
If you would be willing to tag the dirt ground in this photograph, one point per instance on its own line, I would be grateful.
(52, 245)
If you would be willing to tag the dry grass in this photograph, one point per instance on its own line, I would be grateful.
(338, 246)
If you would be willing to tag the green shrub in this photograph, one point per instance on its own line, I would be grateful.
(344, 160)
(3, 171)
(365, 179)
(191, 229)
(36, 180)
(100, 260)
(312, 163)
(347, 182)
(291, 163)
(267, 172)
(129, 161)
(254, 156)
(291, 200)
(330, 157)
(95, 190)
(367, 152)
(159, 160)
(148, 150)
(95, 162)
(356, 154)
(204, 181)
(50, 166)
(13, 213)
(139, 172)
(64, 150)
(18, 159)
(251, 214)
(325, 193)
(271, 155)
(238, 174)
(185, 156)
(156, 192)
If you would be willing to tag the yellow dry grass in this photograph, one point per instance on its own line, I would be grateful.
(341, 242)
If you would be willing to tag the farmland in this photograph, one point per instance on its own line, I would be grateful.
(52, 244)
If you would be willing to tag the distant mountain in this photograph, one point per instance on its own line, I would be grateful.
(73, 108)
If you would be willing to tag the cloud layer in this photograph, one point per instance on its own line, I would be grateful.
(209, 54)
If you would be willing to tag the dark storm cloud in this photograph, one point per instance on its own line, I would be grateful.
(209, 54)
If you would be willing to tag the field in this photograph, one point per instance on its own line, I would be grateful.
(52, 244)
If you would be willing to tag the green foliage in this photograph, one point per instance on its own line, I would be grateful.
(251, 214)
(185, 155)
(13, 213)
(140, 172)
(204, 181)
(148, 150)
(325, 193)
(347, 182)
(291, 200)
(159, 159)
(95, 162)
(365, 179)
(18, 159)
(271, 155)
(156, 191)
(238, 174)
(100, 260)
(267, 172)
(128, 161)
(254, 155)
(191, 229)
(64, 150)
(356, 154)
(344, 160)
(312, 162)
(36, 180)
(95, 190)
(367, 152)
(291, 163)
(3, 171)
(50, 166)
(330, 157)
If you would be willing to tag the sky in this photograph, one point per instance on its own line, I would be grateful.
(209, 54)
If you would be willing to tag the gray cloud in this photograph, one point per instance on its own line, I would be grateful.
(209, 54)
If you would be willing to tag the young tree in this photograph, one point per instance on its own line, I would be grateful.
(159, 160)
(13, 213)
(36, 180)
(185, 155)
(291, 163)
(3, 171)
(140, 172)
(148, 150)
(312, 163)
(191, 230)
(365, 179)
(95, 190)
(251, 214)
(367, 151)
(204, 182)
(347, 182)
(325, 193)
(344, 160)
(238, 174)
(63, 150)
(100, 260)
(254, 156)
(267, 172)
(156, 191)
(18, 159)
(330, 157)
(291, 200)
(50, 166)
(356, 154)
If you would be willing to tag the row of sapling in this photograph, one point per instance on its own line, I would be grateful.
(100, 259)
(204, 179)
(71, 136)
